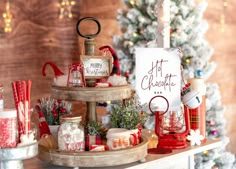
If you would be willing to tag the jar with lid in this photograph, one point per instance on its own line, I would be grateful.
(71, 134)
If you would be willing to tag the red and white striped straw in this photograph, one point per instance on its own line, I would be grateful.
(17, 101)
(29, 83)
(21, 93)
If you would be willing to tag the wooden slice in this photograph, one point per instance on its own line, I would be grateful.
(91, 94)
(95, 159)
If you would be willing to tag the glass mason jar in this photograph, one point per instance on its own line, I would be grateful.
(71, 134)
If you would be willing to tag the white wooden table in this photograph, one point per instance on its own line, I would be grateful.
(178, 159)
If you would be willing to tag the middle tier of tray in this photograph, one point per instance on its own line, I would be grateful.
(91, 94)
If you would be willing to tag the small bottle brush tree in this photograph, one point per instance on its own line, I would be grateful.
(96, 128)
(128, 115)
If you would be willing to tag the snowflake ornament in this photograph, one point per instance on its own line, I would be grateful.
(195, 137)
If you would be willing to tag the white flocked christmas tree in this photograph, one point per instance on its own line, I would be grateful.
(138, 22)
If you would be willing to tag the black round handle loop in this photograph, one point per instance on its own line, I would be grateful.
(167, 108)
(89, 36)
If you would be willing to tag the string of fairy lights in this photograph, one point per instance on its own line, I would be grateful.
(65, 11)
(65, 8)
(7, 16)
(222, 16)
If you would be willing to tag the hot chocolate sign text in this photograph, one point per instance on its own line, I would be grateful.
(158, 73)
(156, 78)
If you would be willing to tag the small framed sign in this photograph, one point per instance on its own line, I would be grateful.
(158, 77)
(96, 67)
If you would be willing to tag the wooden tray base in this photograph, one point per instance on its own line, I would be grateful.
(95, 159)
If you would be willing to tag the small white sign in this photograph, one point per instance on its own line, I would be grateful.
(158, 77)
(96, 67)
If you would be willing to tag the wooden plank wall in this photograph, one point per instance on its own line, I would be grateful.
(105, 11)
(39, 36)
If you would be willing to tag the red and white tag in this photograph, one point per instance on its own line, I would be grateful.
(98, 148)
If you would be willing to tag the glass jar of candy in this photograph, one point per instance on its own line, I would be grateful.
(71, 134)
(9, 129)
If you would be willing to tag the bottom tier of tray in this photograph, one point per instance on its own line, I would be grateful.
(92, 159)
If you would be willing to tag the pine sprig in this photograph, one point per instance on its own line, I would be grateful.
(96, 128)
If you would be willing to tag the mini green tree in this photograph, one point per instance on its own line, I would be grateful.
(128, 115)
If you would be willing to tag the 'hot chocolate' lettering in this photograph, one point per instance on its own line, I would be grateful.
(150, 81)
